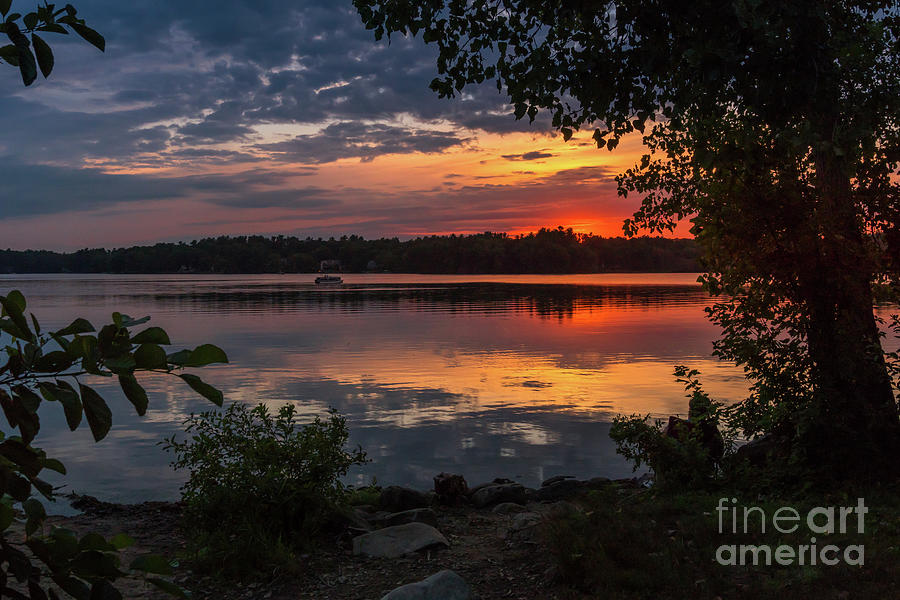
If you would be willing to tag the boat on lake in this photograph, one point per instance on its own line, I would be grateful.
(329, 280)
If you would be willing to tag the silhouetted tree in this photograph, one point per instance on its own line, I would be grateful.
(774, 126)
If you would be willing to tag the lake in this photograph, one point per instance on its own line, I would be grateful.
(488, 376)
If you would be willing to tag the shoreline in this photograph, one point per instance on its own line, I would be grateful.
(491, 530)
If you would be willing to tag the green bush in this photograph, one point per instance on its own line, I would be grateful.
(260, 486)
(682, 462)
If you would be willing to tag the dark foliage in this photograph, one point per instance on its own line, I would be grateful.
(261, 486)
(547, 251)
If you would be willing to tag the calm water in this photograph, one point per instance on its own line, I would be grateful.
(490, 376)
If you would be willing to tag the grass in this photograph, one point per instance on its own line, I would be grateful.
(643, 544)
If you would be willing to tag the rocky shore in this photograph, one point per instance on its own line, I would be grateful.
(454, 542)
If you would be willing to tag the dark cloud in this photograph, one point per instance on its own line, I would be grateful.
(42, 189)
(534, 155)
(208, 73)
(359, 140)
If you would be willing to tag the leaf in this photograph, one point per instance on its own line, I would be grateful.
(34, 509)
(204, 389)
(206, 354)
(134, 392)
(14, 306)
(30, 20)
(152, 563)
(130, 322)
(54, 465)
(104, 590)
(179, 358)
(4, 6)
(17, 300)
(20, 454)
(27, 66)
(121, 540)
(169, 587)
(98, 415)
(53, 362)
(10, 54)
(36, 514)
(95, 541)
(120, 364)
(68, 397)
(150, 356)
(89, 35)
(54, 28)
(17, 412)
(96, 564)
(567, 134)
(72, 586)
(152, 335)
(6, 516)
(77, 326)
(44, 54)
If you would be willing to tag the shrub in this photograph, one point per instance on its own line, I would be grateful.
(260, 486)
(684, 458)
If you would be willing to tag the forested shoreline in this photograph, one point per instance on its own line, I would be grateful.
(547, 251)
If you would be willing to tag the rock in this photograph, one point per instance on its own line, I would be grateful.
(525, 520)
(562, 508)
(596, 483)
(481, 486)
(507, 508)
(524, 527)
(450, 488)
(398, 540)
(414, 515)
(561, 490)
(352, 519)
(499, 493)
(396, 499)
(556, 479)
(445, 585)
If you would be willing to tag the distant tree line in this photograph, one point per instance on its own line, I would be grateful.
(547, 251)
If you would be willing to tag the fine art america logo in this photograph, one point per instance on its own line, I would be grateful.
(819, 521)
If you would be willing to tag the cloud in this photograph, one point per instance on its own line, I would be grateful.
(31, 190)
(534, 155)
(363, 141)
(238, 105)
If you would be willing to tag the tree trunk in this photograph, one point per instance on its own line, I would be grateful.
(855, 428)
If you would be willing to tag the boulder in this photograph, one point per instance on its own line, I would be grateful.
(556, 479)
(414, 515)
(499, 493)
(450, 488)
(524, 527)
(560, 490)
(397, 499)
(597, 483)
(399, 540)
(445, 585)
(508, 508)
(560, 509)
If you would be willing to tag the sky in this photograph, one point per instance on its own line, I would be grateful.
(269, 117)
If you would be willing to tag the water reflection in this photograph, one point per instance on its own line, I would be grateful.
(517, 377)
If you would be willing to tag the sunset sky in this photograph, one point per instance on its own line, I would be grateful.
(270, 117)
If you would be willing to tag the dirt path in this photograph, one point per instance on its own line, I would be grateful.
(486, 549)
